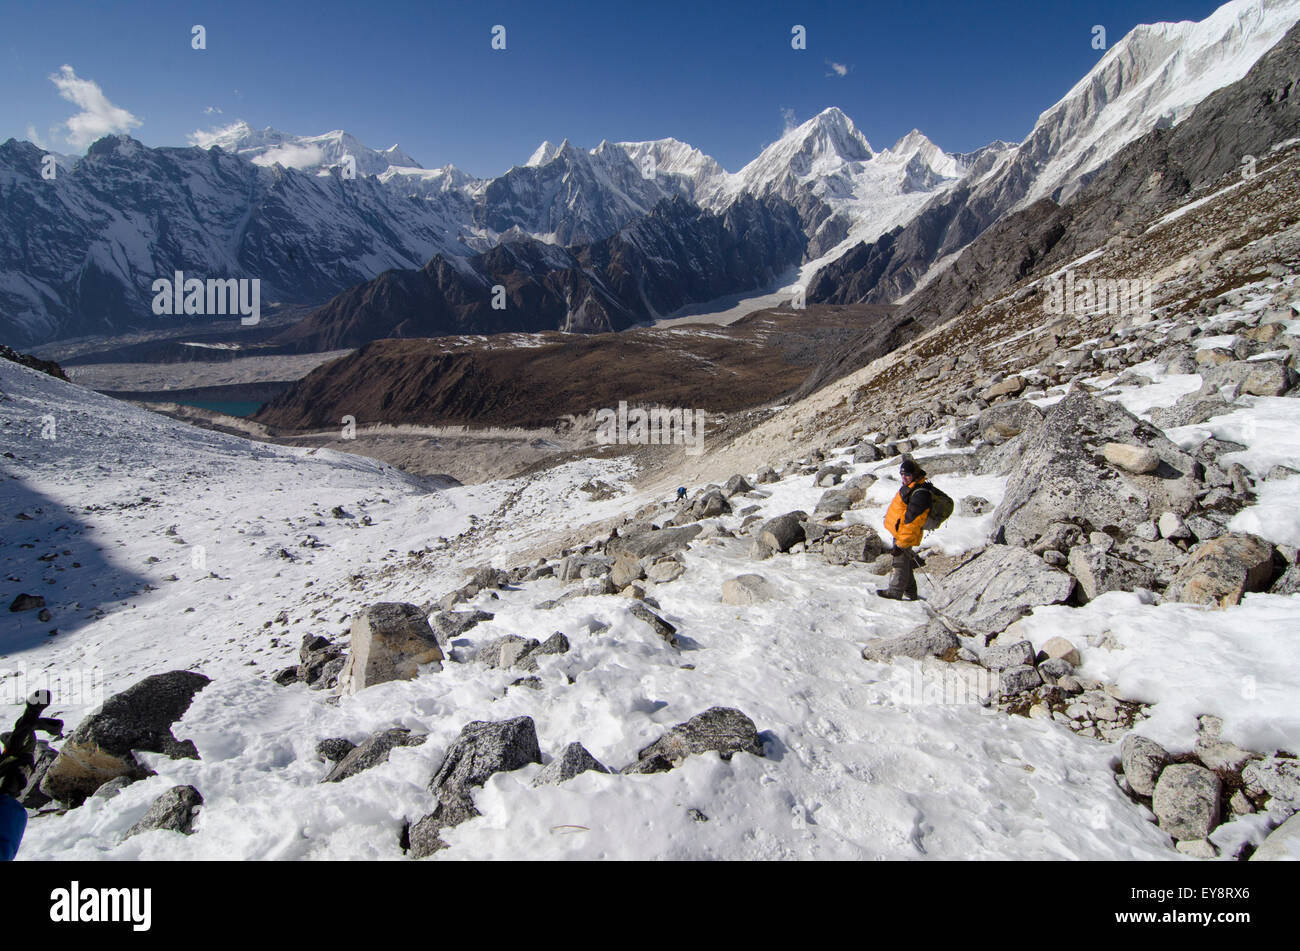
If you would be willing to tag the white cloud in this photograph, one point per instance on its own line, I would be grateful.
(838, 69)
(292, 156)
(788, 120)
(98, 117)
(34, 137)
(212, 110)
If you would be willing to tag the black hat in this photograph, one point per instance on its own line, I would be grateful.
(910, 468)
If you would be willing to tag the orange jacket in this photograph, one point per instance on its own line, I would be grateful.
(907, 534)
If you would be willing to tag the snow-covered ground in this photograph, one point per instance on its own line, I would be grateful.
(863, 760)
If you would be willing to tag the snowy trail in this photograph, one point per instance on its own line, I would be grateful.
(862, 762)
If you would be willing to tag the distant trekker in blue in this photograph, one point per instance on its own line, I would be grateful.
(681, 493)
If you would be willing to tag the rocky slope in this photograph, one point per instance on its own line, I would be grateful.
(1246, 119)
(673, 256)
(1152, 79)
(534, 380)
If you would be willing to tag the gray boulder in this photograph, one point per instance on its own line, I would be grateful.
(657, 624)
(1221, 570)
(573, 759)
(783, 532)
(653, 544)
(1282, 844)
(1019, 679)
(334, 748)
(1000, 585)
(173, 811)
(454, 624)
(721, 729)
(1002, 656)
(1142, 760)
(1098, 570)
(371, 752)
(1186, 801)
(1007, 420)
(746, 589)
(1276, 777)
(1061, 476)
(735, 485)
(853, 546)
(933, 639)
(833, 504)
(139, 719)
(482, 750)
(390, 641)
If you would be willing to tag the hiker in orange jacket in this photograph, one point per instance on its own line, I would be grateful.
(905, 520)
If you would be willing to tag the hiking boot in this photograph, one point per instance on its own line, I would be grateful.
(898, 595)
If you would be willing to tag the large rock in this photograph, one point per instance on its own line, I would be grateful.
(661, 627)
(1060, 475)
(1138, 460)
(1142, 760)
(573, 759)
(653, 544)
(933, 639)
(454, 624)
(1099, 570)
(783, 532)
(173, 811)
(1221, 570)
(1278, 778)
(1005, 421)
(747, 589)
(859, 544)
(833, 504)
(1282, 844)
(999, 586)
(139, 719)
(721, 729)
(371, 752)
(1186, 801)
(482, 750)
(390, 641)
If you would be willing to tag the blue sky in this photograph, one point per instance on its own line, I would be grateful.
(721, 76)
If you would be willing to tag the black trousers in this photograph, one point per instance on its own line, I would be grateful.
(902, 581)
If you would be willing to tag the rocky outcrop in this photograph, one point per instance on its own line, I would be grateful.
(723, 730)
(139, 719)
(571, 761)
(1061, 474)
(173, 811)
(390, 641)
(1220, 571)
(371, 752)
(999, 586)
(482, 750)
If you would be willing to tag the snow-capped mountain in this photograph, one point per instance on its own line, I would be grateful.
(1152, 77)
(316, 153)
(844, 189)
(79, 253)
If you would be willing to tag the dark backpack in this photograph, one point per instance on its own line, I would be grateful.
(941, 506)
